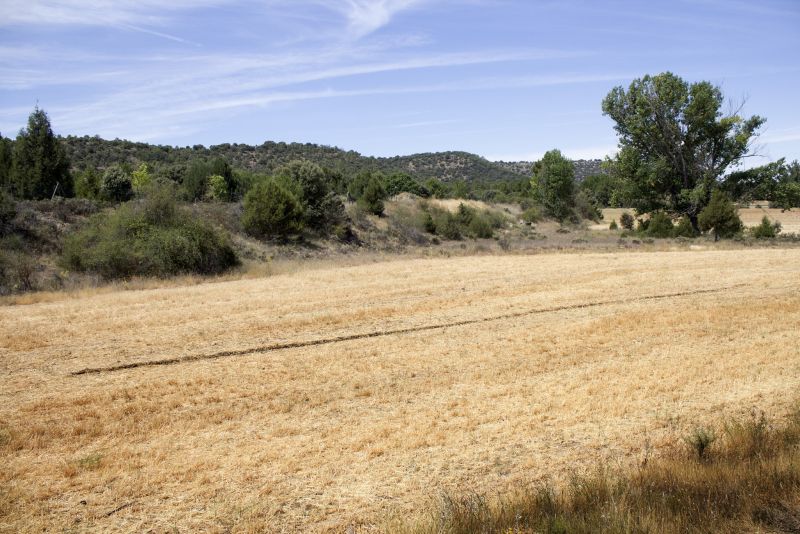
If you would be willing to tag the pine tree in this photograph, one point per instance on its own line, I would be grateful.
(40, 163)
(5, 162)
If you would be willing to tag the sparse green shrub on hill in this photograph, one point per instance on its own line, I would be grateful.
(151, 237)
(767, 229)
(720, 217)
(272, 211)
(613, 225)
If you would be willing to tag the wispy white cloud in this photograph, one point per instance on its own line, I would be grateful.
(367, 16)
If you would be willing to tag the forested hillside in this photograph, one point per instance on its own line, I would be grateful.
(94, 152)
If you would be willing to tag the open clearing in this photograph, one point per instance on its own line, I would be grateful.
(552, 364)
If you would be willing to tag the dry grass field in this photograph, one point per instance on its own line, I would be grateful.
(335, 398)
(751, 216)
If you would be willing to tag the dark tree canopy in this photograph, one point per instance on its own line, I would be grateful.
(40, 161)
(5, 162)
(675, 142)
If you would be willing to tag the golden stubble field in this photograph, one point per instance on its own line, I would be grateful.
(750, 215)
(552, 364)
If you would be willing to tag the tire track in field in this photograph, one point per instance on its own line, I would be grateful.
(382, 333)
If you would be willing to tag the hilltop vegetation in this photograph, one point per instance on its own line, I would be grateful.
(270, 156)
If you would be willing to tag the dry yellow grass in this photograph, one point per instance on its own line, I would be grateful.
(321, 437)
(751, 216)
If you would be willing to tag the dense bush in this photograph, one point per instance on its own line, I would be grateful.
(767, 229)
(372, 197)
(116, 185)
(217, 188)
(720, 217)
(660, 225)
(272, 211)
(467, 221)
(153, 237)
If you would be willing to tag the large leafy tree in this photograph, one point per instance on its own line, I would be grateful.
(675, 142)
(553, 184)
(40, 165)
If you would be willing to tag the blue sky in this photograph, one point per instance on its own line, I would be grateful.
(503, 79)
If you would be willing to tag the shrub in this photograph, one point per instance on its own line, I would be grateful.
(660, 225)
(684, 228)
(270, 210)
(141, 178)
(87, 184)
(613, 225)
(626, 220)
(17, 271)
(217, 188)
(372, 196)
(767, 229)
(116, 185)
(532, 215)
(449, 228)
(8, 210)
(720, 217)
(586, 207)
(153, 237)
(480, 227)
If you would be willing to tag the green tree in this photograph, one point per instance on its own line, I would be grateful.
(553, 185)
(675, 142)
(720, 216)
(314, 189)
(116, 185)
(271, 210)
(40, 164)
(195, 180)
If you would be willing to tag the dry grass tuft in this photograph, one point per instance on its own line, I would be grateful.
(748, 482)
